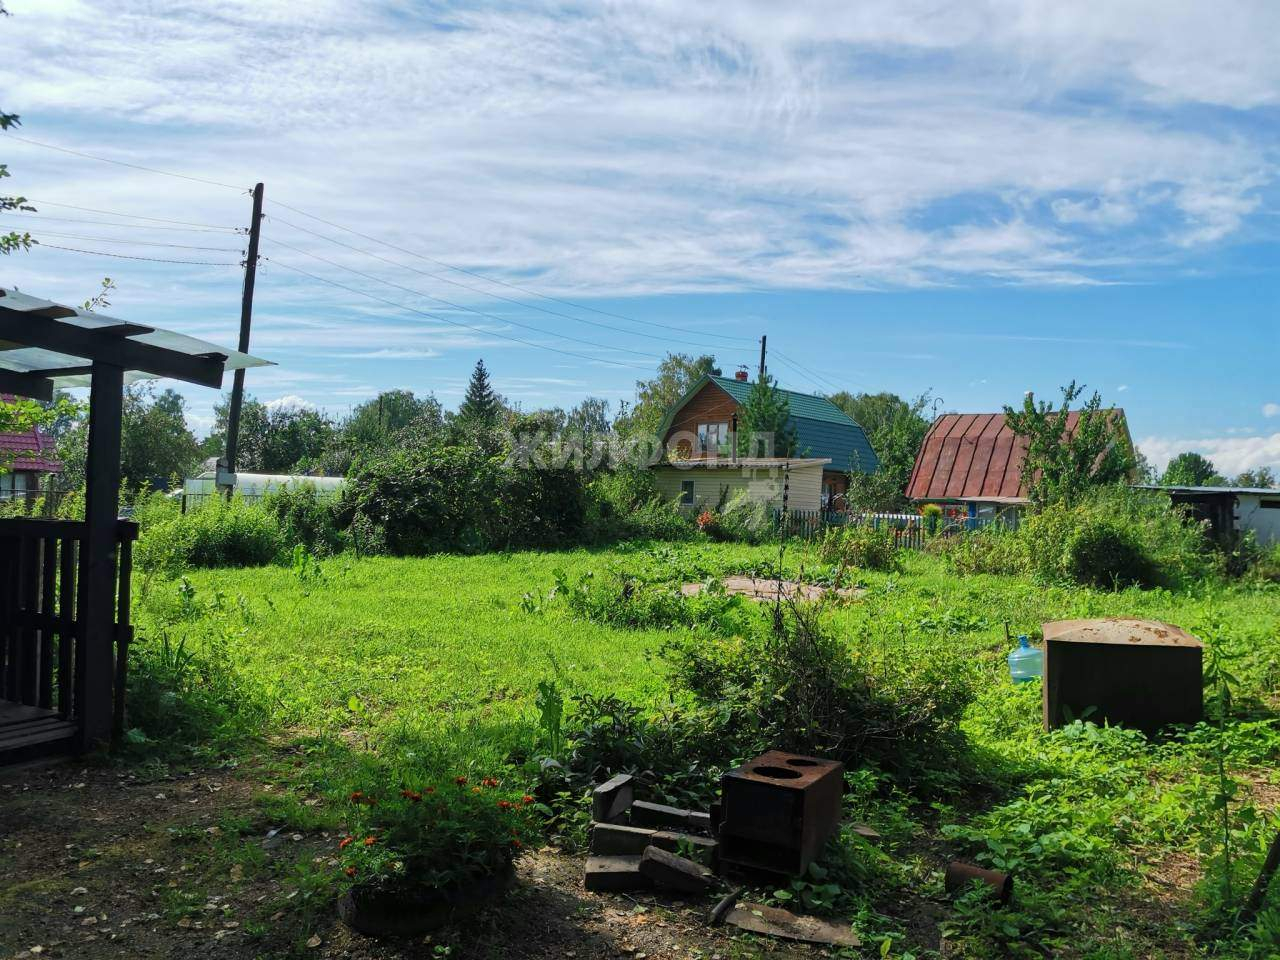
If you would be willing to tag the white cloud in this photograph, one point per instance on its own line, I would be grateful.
(290, 401)
(1271, 409)
(1122, 388)
(667, 147)
(1230, 455)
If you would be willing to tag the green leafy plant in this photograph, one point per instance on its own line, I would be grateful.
(860, 545)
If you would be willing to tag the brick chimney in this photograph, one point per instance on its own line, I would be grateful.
(740, 375)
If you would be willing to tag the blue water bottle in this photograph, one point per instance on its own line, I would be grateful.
(1026, 662)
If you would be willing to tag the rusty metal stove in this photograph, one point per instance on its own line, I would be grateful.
(779, 810)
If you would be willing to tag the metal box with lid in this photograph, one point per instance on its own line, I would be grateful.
(1132, 673)
(778, 811)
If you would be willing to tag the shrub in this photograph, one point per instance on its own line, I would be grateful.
(445, 496)
(746, 519)
(794, 687)
(1103, 553)
(625, 600)
(932, 514)
(992, 549)
(307, 518)
(624, 504)
(410, 832)
(219, 533)
(1117, 535)
(860, 545)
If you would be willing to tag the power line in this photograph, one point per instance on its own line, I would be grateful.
(813, 375)
(505, 283)
(135, 226)
(134, 216)
(456, 323)
(812, 382)
(144, 243)
(122, 163)
(485, 293)
(419, 293)
(125, 256)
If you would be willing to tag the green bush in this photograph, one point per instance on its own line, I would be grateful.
(625, 504)
(1103, 553)
(860, 545)
(308, 518)
(218, 533)
(1117, 535)
(745, 519)
(790, 685)
(625, 600)
(447, 496)
(992, 549)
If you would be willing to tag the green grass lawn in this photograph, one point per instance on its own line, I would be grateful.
(452, 649)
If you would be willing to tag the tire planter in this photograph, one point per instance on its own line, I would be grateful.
(378, 912)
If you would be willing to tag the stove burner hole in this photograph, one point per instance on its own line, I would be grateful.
(776, 773)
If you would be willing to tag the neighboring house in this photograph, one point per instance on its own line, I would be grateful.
(27, 461)
(1231, 510)
(700, 463)
(971, 464)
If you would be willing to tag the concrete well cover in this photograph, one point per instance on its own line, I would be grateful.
(1120, 631)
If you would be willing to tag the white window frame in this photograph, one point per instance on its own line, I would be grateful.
(713, 436)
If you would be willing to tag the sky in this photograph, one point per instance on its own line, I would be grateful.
(973, 199)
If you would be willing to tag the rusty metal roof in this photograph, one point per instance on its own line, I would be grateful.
(974, 456)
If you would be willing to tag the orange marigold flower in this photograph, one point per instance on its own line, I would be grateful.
(526, 799)
(357, 795)
(350, 871)
(504, 804)
(345, 842)
(369, 841)
(489, 782)
(412, 795)
(431, 790)
(460, 781)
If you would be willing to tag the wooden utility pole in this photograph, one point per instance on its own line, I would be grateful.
(762, 343)
(246, 318)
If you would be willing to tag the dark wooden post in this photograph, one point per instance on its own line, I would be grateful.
(95, 671)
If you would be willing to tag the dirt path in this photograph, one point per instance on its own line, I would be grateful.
(116, 862)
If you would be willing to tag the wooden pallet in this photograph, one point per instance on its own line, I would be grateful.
(30, 732)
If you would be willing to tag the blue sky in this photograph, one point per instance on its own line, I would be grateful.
(974, 198)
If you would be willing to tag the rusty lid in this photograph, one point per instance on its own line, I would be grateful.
(782, 769)
(1121, 631)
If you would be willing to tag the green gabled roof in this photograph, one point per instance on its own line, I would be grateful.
(822, 428)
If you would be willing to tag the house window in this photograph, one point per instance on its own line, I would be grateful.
(712, 436)
(12, 483)
(1270, 504)
(686, 493)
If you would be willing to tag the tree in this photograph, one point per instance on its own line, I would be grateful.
(765, 421)
(155, 442)
(1060, 465)
(273, 439)
(590, 418)
(1191, 469)
(895, 429)
(480, 407)
(389, 419)
(12, 241)
(676, 374)
(1261, 477)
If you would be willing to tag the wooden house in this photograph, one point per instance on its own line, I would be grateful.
(702, 468)
(27, 462)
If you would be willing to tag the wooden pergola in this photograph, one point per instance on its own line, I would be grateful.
(64, 584)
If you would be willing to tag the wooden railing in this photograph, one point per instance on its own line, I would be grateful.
(42, 653)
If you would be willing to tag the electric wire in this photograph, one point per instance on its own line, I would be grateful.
(122, 163)
(134, 216)
(144, 243)
(125, 256)
(136, 226)
(491, 316)
(506, 283)
(812, 375)
(456, 323)
(485, 293)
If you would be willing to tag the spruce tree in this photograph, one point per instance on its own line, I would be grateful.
(766, 412)
(481, 404)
